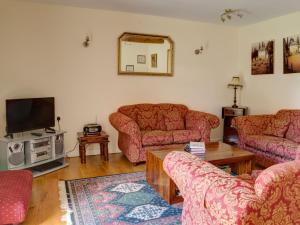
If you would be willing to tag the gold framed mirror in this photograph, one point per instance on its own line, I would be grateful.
(145, 54)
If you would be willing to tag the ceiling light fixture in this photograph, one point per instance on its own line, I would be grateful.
(228, 13)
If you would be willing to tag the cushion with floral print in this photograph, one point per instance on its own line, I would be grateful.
(147, 120)
(277, 127)
(174, 120)
(293, 132)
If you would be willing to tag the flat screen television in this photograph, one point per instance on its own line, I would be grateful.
(29, 114)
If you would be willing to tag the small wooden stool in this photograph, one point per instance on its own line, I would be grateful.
(84, 140)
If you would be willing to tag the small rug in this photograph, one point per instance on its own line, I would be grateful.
(121, 199)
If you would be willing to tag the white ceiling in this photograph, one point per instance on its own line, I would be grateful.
(200, 10)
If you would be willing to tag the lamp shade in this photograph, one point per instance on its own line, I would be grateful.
(235, 82)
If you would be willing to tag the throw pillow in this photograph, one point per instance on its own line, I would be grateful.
(147, 120)
(277, 127)
(173, 120)
(293, 132)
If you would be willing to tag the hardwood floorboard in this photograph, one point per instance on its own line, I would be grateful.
(45, 203)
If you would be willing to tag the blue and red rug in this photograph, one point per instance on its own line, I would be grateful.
(121, 199)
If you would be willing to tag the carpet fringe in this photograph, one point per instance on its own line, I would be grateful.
(64, 205)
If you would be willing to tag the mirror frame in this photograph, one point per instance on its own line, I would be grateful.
(120, 72)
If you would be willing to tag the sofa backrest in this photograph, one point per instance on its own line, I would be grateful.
(290, 114)
(152, 116)
(293, 116)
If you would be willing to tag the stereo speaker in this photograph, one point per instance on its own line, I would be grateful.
(16, 157)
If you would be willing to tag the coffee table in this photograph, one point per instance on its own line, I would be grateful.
(217, 153)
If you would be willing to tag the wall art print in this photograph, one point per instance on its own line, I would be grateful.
(154, 60)
(262, 58)
(141, 59)
(291, 54)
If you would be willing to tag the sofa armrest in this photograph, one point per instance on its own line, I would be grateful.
(298, 153)
(197, 118)
(207, 189)
(201, 121)
(284, 176)
(250, 125)
(126, 125)
(190, 173)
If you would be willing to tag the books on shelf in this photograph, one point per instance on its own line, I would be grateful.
(196, 148)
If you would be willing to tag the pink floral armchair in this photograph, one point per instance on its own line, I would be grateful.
(213, 197)
(153, 126)
(15, 193)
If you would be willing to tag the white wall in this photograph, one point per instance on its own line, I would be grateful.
(41, 54)
(269, 93)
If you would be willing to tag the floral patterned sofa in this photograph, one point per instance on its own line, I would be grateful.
(152, 126)
(213, 197)
(272, 138)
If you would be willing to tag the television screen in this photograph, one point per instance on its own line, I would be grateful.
(29, 114)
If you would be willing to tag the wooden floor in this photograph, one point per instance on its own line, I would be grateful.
(45, 204)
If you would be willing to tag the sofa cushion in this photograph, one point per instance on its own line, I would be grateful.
(274, 145)
(148, 120)
(173, 120)
(150, 116)
(166, 107)
(185, 136)
(277, 127)
(129, 110)
(157, 137)
(293, 132)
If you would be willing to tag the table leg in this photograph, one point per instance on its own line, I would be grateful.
(101, 149)
(105, 145)
(243, 167)
(82, 153)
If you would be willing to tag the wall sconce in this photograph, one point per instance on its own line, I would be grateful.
(87, 41)
(235, 84)
(199, 50)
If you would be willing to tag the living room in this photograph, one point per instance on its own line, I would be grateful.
(43, 55)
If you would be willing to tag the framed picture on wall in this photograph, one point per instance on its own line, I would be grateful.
(141, 59)
(291, 54)
(129, 68)
(262, 58)
(154, 60)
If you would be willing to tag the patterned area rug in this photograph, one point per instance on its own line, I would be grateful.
(121, 199)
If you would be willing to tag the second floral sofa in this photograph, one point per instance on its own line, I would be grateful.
(153, 126)
(272, 138)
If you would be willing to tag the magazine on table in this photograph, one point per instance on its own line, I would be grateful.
(196, 148)
(197, 145)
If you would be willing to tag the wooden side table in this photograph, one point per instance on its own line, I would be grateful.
(228, 113)
(84, 140)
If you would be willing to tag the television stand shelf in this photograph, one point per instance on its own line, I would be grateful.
(40, 154)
